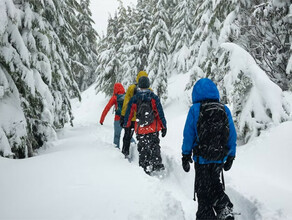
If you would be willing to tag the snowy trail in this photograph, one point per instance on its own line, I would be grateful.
(82, 176)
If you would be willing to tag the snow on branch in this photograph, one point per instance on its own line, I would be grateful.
(257, 102)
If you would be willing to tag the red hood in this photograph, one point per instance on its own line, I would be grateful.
(118, 88)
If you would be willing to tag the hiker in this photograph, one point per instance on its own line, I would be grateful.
(129, 130)
(117, 100)
(150, 120)
(209, 134)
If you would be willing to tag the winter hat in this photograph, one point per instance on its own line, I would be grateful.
(140, 74)
(144, 82)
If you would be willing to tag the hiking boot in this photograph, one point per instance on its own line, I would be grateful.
(159, 167)
(226, 214)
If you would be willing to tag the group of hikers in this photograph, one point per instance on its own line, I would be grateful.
(209, 138)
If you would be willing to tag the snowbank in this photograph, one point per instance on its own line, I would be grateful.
(262, 172)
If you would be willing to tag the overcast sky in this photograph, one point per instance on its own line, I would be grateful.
(102, 8)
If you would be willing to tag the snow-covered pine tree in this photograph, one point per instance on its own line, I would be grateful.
(143, 20)
(245, 82)
(209, 17)
(85, 58)
(108, 63)
(181, 33)
(123, 44)
(257, 102)
(129, 48)
(159, 49)
(266, 28)
(62, 17)
(35, 75)
(14, 59)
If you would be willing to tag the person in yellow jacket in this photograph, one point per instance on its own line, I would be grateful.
(130, 130)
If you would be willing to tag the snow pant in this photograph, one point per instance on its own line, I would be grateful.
(149, 152)
(117, 133)
(128, 138)
(213, 203)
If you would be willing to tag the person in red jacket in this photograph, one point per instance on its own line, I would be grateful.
(117, 100)
(150, 120)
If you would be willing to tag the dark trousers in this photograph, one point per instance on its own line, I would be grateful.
(149, 152)
(213, 203)
(128, 138)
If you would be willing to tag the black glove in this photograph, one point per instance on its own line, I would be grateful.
(122, 121)
(101, 123)
(186, 160)
(228, 163)
(163, 132)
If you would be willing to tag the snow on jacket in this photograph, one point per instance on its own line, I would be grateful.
(205, 89)
(130, 94)
(118, 89)
(159, 120)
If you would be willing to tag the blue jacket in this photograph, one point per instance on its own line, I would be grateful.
(205, 89)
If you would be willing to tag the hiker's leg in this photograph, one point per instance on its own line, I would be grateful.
(221, 202)
(127, 139)
(155, 157)
(117, 133)
(203, 185)
(143, 152)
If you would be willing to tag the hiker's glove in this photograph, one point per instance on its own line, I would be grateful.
(228, 163)
(122, 121)
(163, 132)
(186, 160)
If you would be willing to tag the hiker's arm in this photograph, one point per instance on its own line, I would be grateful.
(232, 134)
(189, 133)
(158, 106)
(110, 103)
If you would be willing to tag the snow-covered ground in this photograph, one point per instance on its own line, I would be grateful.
(82, 176)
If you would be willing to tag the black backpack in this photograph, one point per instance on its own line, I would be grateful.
(145, 114)
(120, 101)
(213, 131)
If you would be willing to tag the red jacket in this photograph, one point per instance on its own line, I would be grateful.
(118, 89)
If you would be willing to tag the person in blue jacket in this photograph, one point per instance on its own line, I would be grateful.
(213, 203)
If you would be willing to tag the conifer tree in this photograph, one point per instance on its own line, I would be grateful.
(129, 49)
(109, 64)
(182, 30)
(159, 47)
(86, 55)
(121, 45)
(37, 75)
(143, 20)
(267, 35)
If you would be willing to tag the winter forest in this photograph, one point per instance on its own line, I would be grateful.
(50, 54)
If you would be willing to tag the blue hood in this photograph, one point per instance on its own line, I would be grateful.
(205, 89)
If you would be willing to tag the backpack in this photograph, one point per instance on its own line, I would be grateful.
(120, 101)
(213, 132)
(145, 114)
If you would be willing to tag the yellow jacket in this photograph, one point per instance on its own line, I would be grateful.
(130, 94)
